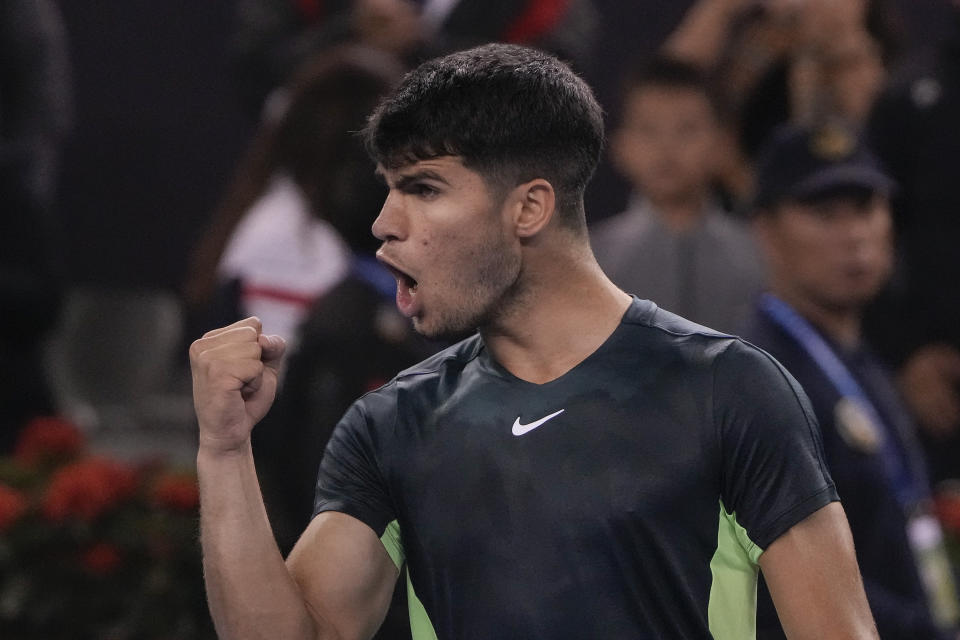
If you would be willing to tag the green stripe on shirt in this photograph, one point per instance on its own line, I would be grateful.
(421, 628)
(732, 610)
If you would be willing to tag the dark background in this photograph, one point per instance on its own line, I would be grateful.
(158, 125)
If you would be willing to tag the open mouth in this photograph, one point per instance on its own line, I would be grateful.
(409, 283)
(404, 280)
(407, 287)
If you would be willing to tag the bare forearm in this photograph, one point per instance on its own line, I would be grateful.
(815, 582)
(251, 593)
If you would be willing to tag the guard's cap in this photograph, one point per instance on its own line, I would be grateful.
(798, 163)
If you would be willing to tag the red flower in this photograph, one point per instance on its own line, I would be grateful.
(101, 559)
(48, 438)
(87, 489)
(177, 493)
(13, 504)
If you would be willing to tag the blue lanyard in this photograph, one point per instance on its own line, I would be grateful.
(907, 483)
(371, 271)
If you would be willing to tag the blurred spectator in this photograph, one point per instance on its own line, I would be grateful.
(916, 131)
(293, 243)
(782, 61)
(35, 113)
(274, 36)
(35, 96)
(270, 250)
(30, 296)
(675, 244)
(823, 220)
(627, 32)
(353, 339)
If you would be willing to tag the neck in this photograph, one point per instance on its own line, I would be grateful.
(568, 310)
(681, 213)
(841, 324)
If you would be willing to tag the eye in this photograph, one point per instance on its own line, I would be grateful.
(423, 190)
(826, 212)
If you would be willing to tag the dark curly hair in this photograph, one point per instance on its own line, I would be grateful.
(511, 113)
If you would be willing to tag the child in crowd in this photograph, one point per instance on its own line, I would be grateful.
(675, 244)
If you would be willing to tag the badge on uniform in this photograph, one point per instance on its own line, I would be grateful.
(832, 143)
(926, 540)
(856, 427)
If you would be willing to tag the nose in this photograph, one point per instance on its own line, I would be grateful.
(866, 235)
(390, 224)
(858, 230)
(872, 222)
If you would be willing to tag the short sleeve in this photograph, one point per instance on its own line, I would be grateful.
(773, 469)
(350, 479)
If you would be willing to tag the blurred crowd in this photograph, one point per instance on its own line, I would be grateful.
(777, 169)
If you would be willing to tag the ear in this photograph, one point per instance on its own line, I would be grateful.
(534, 205)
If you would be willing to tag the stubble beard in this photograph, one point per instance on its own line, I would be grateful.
(487, 285)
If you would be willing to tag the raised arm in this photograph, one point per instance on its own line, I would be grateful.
(814, 580)
(340, 577)
(701, 35)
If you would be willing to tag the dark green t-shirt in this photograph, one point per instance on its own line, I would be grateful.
(634, 503)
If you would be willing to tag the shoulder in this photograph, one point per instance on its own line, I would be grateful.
(784, 349)
(454, 356)
(377, 412)
(735, 365)
(278, 235)
(660, 328)
(279, 210)
(678, 353)
(429, 371)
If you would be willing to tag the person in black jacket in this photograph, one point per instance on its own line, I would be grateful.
(914, 130)
(353, 338)
(824, 223)
(35, 113)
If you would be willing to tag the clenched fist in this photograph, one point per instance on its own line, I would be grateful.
(234, 382)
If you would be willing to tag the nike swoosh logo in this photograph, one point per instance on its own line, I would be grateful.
(520, 429)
